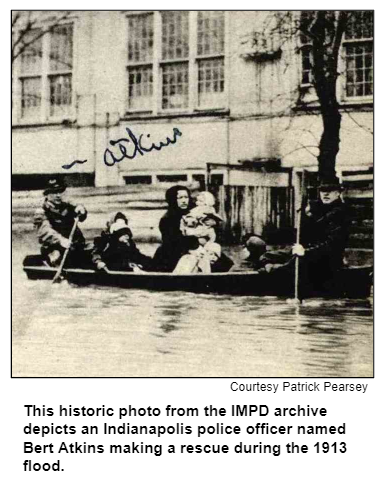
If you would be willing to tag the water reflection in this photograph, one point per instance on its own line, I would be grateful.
(64, 330)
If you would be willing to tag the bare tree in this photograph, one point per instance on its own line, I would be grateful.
(321, 32)
(28, 28)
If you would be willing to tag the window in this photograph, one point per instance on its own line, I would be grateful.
(140, 57)
(216, 180)
(359, 54)
(31, 74)
(211, 62)
(60, 70)
(171, 178)
(306, 54)
(176, 61)
(138, 179)
(45, 73)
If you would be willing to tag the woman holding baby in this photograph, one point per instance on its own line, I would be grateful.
(189, 235)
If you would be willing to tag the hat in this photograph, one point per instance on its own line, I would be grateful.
(55, 185)
(119, 228)
(255, 242)
(330, 184)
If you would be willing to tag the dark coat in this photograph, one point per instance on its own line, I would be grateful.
(54, 223)
(116, 255)
(324, 235)
(223, 264)
(174, 243)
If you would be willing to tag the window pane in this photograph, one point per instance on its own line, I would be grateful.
(175, 86)
(359, 69)
(211, 33)
(360, 25)
(138, 179)
(211, 75)
(171, 178)
(32, 55)
(61, 49)
(140, 38)
(30, 97)
(175, 35)
(60, 88)
(140, 88)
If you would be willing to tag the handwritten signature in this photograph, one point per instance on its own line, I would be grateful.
(135, 147)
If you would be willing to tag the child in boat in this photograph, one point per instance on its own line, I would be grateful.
(198, 259)
(116, 250)
(214, 252)
(195, 260)
(202, 219)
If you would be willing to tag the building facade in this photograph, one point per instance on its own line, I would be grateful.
(83, 78)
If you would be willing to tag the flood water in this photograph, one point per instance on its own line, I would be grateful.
(67, 331)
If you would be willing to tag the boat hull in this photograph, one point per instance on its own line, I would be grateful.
(351, 282)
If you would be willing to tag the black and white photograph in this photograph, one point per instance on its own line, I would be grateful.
(192, 193)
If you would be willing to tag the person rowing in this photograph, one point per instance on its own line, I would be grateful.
(54, 221)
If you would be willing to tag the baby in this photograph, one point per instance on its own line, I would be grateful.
(202, 219)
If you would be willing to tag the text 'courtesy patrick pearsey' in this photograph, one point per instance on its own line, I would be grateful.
(238, 386)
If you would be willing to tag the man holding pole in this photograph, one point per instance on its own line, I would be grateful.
(324, 235)
(56, 224)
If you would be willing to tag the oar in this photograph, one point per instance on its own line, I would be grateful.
(58, 272)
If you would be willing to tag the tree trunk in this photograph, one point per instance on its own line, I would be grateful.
(330, 142)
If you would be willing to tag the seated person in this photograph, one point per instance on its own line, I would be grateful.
(198, 258)
(254, 248)
(214, 253)
(256, 255)
(173, 241)
(195, 259)
(54, 221)
(116, 250)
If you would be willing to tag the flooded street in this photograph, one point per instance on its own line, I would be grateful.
(68, 331)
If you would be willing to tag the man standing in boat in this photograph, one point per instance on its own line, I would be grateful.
(54, 221)
(323, 238)
(324, 235)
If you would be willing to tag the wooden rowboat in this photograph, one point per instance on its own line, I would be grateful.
(352, 282)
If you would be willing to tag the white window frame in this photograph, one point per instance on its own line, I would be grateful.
(44, 116)
(192, 61)
(342, 65)
(343, 85)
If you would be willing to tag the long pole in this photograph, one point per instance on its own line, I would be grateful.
(70, 239)
(296, 278)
